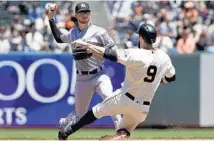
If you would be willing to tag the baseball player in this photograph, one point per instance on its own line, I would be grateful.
(90, 69)
(146, 68)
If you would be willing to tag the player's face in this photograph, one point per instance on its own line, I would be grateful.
(83, 17)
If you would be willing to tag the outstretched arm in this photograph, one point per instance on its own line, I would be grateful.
(108, 53)
(124, 56)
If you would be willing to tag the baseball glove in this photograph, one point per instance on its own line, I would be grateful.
(81, 53)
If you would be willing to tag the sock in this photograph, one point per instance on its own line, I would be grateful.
(85, 120)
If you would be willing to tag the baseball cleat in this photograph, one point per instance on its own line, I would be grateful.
(72, 118)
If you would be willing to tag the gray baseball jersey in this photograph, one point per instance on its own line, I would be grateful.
(94, 35)
(101, 83)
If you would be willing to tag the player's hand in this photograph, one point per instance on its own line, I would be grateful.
(52, 8)
(80, 42)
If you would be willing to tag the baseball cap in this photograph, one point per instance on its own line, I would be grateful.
(82, 6)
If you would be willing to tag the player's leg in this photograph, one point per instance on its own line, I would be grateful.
(83, 95)
(128, 123)
(125, 127)
(104, 89)
(110, 106)
(134, 114)
(70, 128)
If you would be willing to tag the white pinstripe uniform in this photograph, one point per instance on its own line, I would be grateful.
(144, 71)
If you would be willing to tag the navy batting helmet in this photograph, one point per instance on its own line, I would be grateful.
(148, 33)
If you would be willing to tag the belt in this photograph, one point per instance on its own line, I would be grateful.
(94, 71)
(133, 98)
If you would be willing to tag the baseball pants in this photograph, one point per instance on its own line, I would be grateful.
(133, 113)
(86, 85)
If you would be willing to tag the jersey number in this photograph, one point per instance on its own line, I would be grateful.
(151, 72)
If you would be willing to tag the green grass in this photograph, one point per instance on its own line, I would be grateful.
(51, 134)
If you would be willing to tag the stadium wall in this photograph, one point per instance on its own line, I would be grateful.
(32, 93)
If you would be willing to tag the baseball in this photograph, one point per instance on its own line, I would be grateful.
(52, 6)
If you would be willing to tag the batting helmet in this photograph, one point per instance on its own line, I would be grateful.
(148, 33)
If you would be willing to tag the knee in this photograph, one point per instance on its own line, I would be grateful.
(98, 112)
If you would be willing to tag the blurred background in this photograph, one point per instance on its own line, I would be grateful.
(184, 27)
(37, 77)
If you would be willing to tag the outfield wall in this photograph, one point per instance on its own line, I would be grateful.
(32, 92)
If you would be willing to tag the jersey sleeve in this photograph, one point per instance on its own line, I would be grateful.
(129, 57)
(169, 74)
(106, 40)
(67, 37)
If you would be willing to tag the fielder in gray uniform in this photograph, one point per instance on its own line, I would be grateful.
(90, 69)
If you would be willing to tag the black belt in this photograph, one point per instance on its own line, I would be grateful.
(133, 98)
(94, 71)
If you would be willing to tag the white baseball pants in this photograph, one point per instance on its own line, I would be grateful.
(133, 113)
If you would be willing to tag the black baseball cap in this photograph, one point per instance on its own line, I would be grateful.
(81, 7)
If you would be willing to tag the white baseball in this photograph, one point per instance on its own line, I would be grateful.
(52, 6)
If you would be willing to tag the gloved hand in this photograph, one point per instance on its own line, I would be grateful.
(81, 53)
